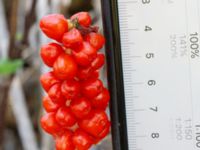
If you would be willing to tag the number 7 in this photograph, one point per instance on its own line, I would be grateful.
(154, 109)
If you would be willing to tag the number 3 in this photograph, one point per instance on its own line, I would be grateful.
(146, 1)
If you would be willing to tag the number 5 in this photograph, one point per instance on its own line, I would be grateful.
(146, 1)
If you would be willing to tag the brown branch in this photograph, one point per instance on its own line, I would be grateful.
(7, 7)
(11, 7)
(29, 21)
(79, 5)
(84, 31)
(4, 88)
(13, 53)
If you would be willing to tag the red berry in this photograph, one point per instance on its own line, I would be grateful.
(84, 73)
(54, 26)
(72, 38)
(49, 124)
(101, 100)
(84, 54)
(98, 62)
(56, 95)
(87, 73)
(84, 18)
(50, 52)
(70, 89)
(92, 70)
(103, 134)
(49, 105)
(96, 124)
(91, 87)
(65, 67)
(94, 75)
(82, 140)
(48, 80)
(64, 117)
(96, 40)
(64, 142)
(80, 107)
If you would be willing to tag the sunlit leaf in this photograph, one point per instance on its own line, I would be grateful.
(8, 67)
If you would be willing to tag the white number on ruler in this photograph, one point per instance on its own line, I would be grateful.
(146, 1)
(154, 109)
(147, 28)
(151, 82)
(149, 55)
(155, 135)
(197, 136)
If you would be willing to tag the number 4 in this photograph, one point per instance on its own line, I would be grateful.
(147, 28)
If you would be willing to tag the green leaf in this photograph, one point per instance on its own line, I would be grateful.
(8, 67)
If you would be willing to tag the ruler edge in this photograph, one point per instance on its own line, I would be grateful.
(115, 74)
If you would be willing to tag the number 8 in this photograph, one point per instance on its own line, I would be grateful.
(146, 1)
(155, 135)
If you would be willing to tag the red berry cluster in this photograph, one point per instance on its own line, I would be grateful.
(76, 99)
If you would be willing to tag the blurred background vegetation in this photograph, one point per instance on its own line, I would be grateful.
(20, 69)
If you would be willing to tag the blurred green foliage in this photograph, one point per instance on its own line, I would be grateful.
(8, 67)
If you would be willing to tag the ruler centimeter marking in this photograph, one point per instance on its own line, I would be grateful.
(161, 69)
(125, 45)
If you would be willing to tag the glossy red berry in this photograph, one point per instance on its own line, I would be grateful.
(54, 26)
(103, 134)
(87, 73)
(91, 71)
(47, 80)
(82, 140)
(65, 67)
(80, 107)
(91, 87)
(84, 54)
(49, 124)
(64, 141)
(49, 105)
(94, 75)
(72, 38)
(101, 100)
(96, 40)
(84, 18)
(64, 117)
(70, 89)
(50, 52)
(96, 124)
(98, 62)
(56, 95)
(84, 73)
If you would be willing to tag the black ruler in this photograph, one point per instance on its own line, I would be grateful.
(115, 74)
